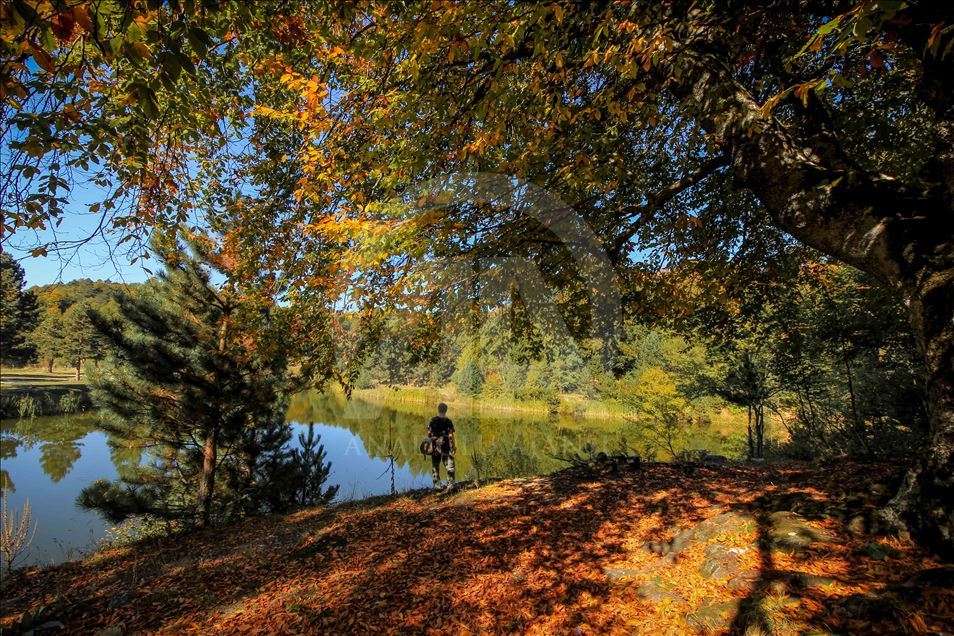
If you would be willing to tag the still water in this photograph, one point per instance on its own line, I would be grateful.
(49, 460)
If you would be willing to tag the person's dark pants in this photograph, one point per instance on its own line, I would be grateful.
(448, 461)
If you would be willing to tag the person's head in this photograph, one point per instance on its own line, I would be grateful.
(442, 409)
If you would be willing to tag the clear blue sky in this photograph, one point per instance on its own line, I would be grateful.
(99, 259)
(89, 261)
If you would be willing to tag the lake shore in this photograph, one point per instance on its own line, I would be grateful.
(568, 404)
(34, 392)
(571, 552)
(727, 420)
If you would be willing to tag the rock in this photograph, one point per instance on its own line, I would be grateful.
(731, 522)
(715, 459)
(654, 591)
(858, 524)
(712, 616)
(605, 464)
(615, 574)
(724, 522)
(744, 580)
(878, 551)
(721, 562)
(113, 630)
(792, 532)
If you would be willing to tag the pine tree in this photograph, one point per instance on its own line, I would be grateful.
(189, 380)
(312, 471)
(19, 313)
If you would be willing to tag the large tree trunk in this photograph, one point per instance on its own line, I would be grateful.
(49, 365)
(925, 503)
(899, 233)
(79, 366)
(207, 480)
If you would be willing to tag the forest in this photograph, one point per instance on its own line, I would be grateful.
(725, 228)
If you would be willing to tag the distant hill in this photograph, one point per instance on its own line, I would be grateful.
(65, 295)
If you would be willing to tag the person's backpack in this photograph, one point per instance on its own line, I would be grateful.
(429, 446)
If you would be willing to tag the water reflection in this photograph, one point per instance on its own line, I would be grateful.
(542, 440)
(50, 459)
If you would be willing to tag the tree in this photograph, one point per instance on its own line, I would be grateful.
(747, 383)
(470, 380)
(845, 362)
(19, 313)
(48, 337)
(658, 406)
(308, 461)
(708, 135)
(676, 122)
(194, 378)
(80, 340)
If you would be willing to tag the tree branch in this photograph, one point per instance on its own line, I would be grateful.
(872, 221)
(639, 214)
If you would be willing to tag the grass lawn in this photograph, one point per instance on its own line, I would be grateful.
(31, 378)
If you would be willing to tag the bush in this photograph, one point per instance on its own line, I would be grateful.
(493, 384)
(27, 407)
(70, 402)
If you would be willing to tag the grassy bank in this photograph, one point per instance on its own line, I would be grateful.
(567, 404)
(35, 392)
(721, 420)
(566, 553)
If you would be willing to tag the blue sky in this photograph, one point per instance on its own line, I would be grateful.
(89, 261)
(98, 259)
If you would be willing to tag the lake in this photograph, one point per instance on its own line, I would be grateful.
(48, 460)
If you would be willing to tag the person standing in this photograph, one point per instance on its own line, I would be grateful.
(441, 429)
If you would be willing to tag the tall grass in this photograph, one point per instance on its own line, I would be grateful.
(27, 404)
(17, 530)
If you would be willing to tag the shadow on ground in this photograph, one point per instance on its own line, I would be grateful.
(691, 549)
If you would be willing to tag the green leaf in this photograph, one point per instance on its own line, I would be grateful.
(829, 26)
(171, 65)
(184, 61)
(197, 42)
